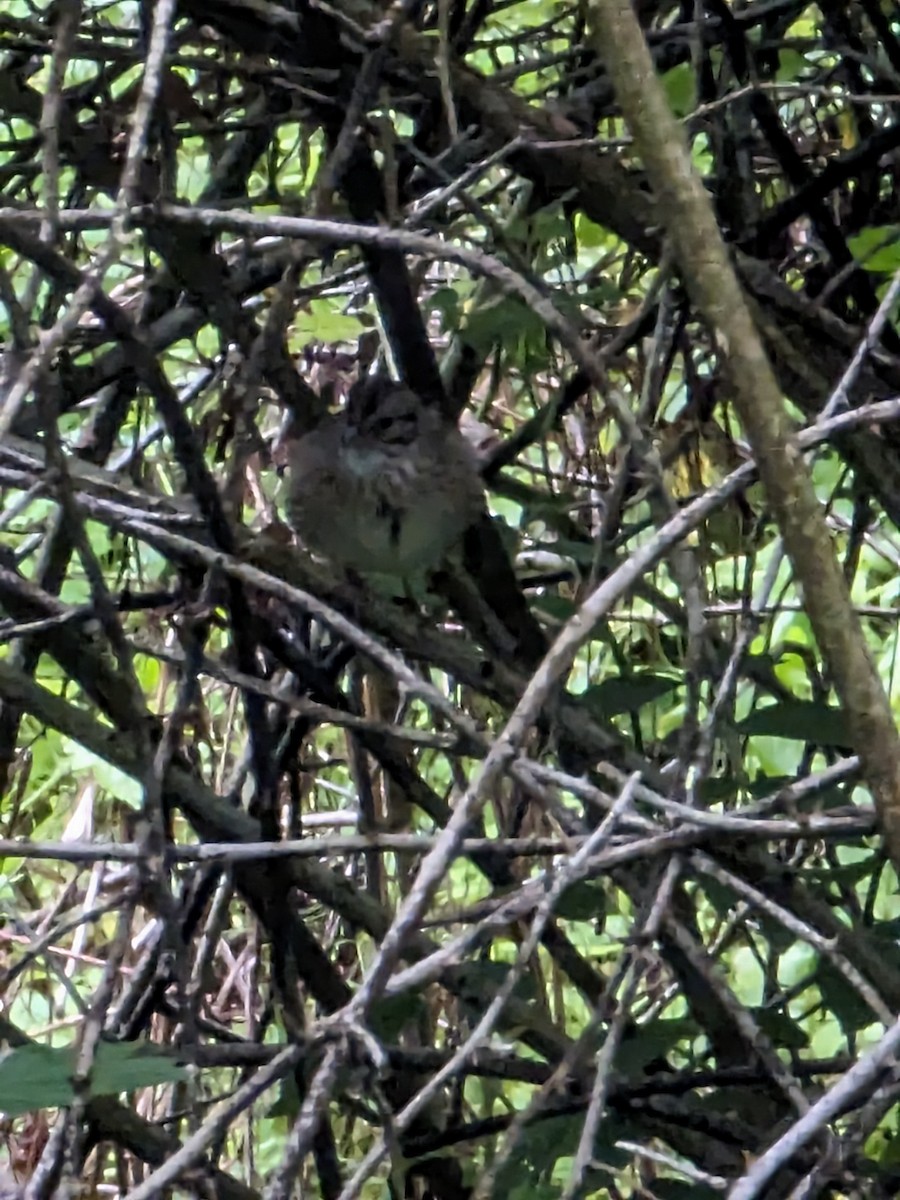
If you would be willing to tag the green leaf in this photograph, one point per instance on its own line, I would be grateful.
(323, 321)
(623, 694)
(478, 983)
(582, 902)
(560, 608)
(548, 1141)
(680, 88)
(114, 782)
(799, 720)
(643, 1044)
(781, 1029)
(791, 65)
(509, 322)
(447, 302)
(287, 1102)
(877, 248)
(34, 1077)
(392, 1014)
(126, 1066)
(825, 877)
(841, 999)
(589, 233)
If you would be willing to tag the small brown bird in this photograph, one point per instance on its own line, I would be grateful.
(391, 487)
(386, 486)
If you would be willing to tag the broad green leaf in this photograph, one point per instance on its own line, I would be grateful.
(509, 322)
(323, 321)
(779, 1027)
(582, 902)
(841, 999)
(791, 65)
(680, 88)
(644, 1043)
(287, 1103)
(392, 1014)
(447, 302)
(125, 1066)
(589, 233)
(114, 782)
(558, 607)
(626, 694)
(799, 720)
(877, 248)
(35, 1077)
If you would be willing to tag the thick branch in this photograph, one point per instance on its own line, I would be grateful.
(688, 215)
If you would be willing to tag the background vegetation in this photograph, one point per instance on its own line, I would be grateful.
(635, 934)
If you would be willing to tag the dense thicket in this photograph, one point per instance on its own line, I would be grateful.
(667, 926)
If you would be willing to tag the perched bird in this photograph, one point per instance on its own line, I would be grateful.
(390, 486)
(386, 486)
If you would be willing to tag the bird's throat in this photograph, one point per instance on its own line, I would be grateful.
(365, 461)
